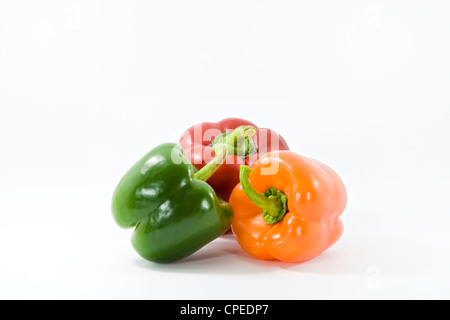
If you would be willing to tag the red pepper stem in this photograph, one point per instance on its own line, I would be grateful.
(273, 202)
(221, 151)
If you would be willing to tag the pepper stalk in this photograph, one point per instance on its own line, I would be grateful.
(273, 202)
(222, 149)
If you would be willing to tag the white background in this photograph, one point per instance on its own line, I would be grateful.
(88, 87)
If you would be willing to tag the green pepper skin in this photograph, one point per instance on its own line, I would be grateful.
(173, 214)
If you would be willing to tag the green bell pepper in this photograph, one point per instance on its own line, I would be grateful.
(173, 210)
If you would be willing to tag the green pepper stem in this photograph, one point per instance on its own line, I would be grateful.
(273, 202)
(242, 146)
(207, 171)
(221, 150)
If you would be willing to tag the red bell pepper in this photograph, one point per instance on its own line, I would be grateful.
(198, 144)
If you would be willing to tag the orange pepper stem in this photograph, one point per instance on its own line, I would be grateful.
(235, 138)
(272, 202)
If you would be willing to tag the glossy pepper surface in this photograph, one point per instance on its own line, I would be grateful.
(288, 207)
(173, 210)
(200, 143)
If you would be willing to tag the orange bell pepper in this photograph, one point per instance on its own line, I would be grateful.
(292, 214)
